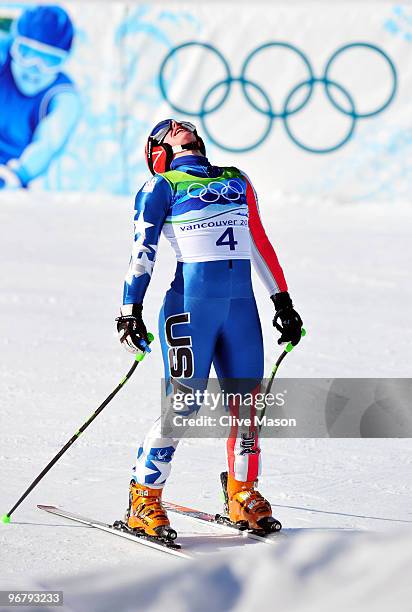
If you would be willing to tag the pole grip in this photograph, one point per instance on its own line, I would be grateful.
(145, 347)
(291, 346)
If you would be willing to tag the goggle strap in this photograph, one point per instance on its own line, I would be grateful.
(190, 146)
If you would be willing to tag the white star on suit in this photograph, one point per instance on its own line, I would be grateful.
(138, 267)
(140, 263)
(143, 265)
(162, 467)
(140, 226)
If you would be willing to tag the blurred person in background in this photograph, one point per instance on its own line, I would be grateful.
(39, 103)
(211, 218)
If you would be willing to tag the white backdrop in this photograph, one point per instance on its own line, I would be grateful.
(117, 58)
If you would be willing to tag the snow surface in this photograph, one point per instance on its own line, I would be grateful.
(63, 262)
(305, 573)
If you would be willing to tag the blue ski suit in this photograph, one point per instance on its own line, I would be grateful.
(209, 316)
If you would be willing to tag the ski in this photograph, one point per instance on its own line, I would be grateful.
(219, 520)
(120, 529)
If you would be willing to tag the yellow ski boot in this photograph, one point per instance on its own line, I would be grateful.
(246, 507)
(147, 514)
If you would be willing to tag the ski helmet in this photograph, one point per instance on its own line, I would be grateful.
(50, 25)
(159, 154)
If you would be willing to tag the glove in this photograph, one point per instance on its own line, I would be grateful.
(131, 328)
(291, 323)
(8, 178)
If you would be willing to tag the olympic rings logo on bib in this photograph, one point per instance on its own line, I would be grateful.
(214, 191)
(337, 94)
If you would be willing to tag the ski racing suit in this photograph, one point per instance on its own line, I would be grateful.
(211, 218)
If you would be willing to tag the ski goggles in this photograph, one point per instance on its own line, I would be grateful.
(163, 127)
(29, 52)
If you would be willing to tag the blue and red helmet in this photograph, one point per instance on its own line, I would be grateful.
(159, 154)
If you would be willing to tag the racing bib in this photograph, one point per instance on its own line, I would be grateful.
(209, 216)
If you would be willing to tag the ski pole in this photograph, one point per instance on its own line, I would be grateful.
(289, 347)
(139, 357)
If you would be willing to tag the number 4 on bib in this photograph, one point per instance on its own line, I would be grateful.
(227, 239)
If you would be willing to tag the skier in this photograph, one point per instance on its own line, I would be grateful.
(39, 104)
(209, 311)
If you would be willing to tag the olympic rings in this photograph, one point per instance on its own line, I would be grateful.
(289, 47)
(286, 114)
(391, 67)
(215, 52)
(287, 110)
(231, 191)
(229, 82)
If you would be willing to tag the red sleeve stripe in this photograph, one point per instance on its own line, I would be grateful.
(267, 257)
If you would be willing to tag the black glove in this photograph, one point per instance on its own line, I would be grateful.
(291, 323)
(131, 328)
